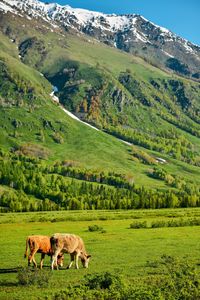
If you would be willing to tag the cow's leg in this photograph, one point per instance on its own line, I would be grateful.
(29, 260)
(30, 255)
(72, 256)
(76, 260)
(54, 260)
(32, 258)
(42, 260)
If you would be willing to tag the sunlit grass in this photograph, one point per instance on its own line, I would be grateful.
(118, 249)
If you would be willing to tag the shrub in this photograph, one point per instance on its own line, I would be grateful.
(137, 225)
(33, 150)
(102, 286)
(92, 228)
(102, 281)
(143, 156)
(57, 137)
(158, 224)
(176, 223)
(180, 281)
(194, 222)
(28, 276)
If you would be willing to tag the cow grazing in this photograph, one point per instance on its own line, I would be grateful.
(40, 244)
(72, 244)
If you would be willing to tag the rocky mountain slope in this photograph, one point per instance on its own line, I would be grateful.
(131, 33)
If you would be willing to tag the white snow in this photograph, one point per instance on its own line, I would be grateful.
(5, 7)
(125, 142)
(139, 36)
(167, 53)
(12, 2)
(82, 17)
(76, 118)
(78, 19)
(56, 99)
(187, 47)
(161, 160)
(118, 22)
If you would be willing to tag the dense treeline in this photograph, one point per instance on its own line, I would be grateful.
(33, 185)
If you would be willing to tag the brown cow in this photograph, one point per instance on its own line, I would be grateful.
(40, 244)
(69, 243)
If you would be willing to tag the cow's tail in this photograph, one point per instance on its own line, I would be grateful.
(26, 251)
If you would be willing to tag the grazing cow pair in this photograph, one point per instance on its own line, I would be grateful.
(55, 247)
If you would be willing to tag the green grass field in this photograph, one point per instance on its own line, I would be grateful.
(118, 249)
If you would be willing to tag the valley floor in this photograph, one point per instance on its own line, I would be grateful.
(115, 248)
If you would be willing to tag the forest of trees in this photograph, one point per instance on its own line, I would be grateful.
(34, 185)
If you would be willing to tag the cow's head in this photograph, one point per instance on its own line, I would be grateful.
(60, 259)
(85, 258)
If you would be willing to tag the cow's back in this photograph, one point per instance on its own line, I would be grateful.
(68, 243)
(41, 243)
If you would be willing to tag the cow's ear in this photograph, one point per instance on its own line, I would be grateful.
(88, 256)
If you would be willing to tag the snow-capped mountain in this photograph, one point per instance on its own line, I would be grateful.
(131, 33)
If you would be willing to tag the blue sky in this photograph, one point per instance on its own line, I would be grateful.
(180, 16)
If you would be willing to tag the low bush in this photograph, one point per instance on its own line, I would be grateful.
(102, 286)
(27, 276)
(137, 225)
(92, 228)
(158, 224)
(180, 281)
(57, 137)
(103, 281)
(167, 223)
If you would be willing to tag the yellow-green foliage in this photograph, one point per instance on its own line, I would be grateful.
(142, 156)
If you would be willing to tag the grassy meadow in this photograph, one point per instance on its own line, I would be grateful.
(117, 249)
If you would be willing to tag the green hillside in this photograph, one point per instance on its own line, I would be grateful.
(116, 91)
(121, 94)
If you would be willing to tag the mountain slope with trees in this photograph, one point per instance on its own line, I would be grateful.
(75, 166)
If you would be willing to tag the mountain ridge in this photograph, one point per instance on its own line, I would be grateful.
(131, 33)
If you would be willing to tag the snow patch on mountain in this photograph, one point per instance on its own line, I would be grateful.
(165, 52)
(5, 7)
(81, 17)
(126, 32)
(188, 47)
